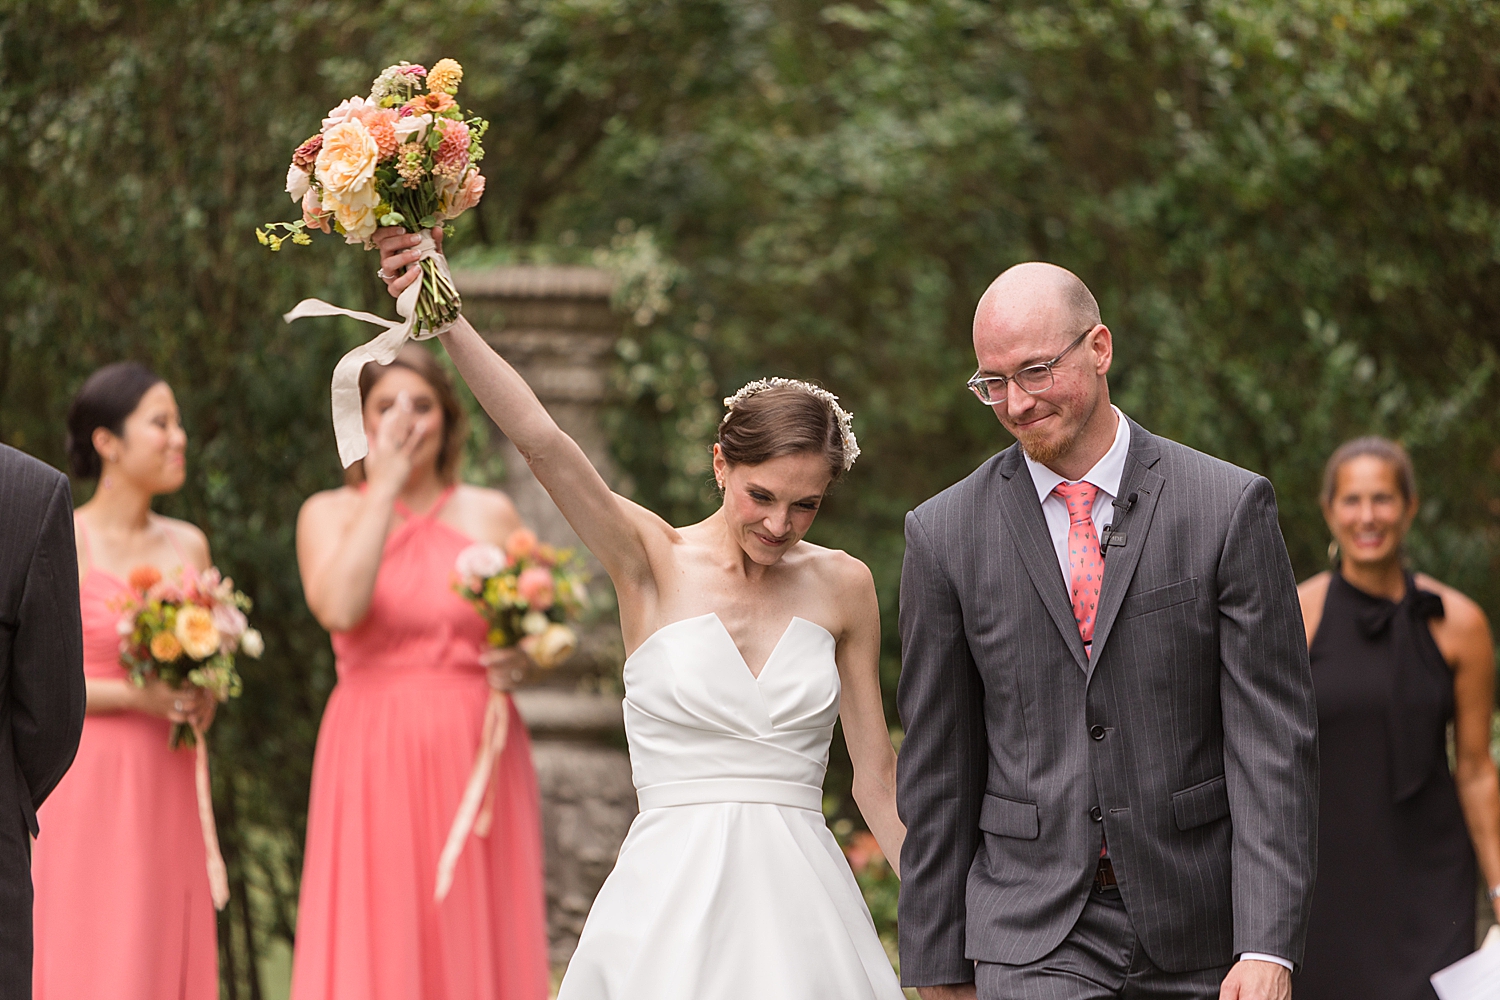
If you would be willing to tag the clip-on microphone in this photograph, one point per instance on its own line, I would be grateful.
(1111, 537)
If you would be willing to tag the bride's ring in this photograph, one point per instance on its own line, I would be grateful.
(380, 273)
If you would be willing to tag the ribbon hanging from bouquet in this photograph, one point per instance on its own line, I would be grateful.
(471, 818)
(218, 875)
(348, 418)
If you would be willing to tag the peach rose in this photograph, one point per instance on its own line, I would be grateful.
(521, 543)
(467, 195)
(552, 647)
(358, 220)
(165, 648)
(346, 163)
(312, 210)
(196, 631)
(535, 587)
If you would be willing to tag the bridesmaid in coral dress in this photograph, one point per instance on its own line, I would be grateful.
(402, 726)
(122, 898)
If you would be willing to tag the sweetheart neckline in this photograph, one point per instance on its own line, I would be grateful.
(724, 629)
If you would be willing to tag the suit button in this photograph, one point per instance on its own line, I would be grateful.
(1096, 814)
(1097, 732)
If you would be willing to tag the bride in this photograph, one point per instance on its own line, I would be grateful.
(745, 644)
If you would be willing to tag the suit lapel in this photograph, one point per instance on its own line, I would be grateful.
(1120, 562)
(1023, 516)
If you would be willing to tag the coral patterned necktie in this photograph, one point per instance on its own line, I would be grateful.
(1085, 564)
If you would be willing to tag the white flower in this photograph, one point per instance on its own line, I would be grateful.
(412, 125)
(297, 182)
(551, 647)
(125, 625)
(339, 114)
(252, 644)
(480, 561)
(534, 623)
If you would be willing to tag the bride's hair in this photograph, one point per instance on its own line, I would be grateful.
(776, 417)
(105, 399)
(417, 359)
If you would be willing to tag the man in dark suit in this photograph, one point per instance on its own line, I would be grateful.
(1109, 774)
(41, 682)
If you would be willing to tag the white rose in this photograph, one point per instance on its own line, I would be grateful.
(534, 623)
(412, 125)
(251, 644)
(297, 182)
(552, 647)
(480, 561)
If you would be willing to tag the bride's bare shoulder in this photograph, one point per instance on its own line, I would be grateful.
(835, 567)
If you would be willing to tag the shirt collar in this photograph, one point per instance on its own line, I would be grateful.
(1106, 473)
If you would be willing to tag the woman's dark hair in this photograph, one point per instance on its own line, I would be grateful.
(1375, 447)
(108, 396)
(455, 423)
(785, 420)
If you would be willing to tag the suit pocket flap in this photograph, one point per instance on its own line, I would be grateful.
(1172, 594)
(1200, 804)
(1008, 818)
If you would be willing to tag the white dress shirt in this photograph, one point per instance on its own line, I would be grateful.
(1106, 475)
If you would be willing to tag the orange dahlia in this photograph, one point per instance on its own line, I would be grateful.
(434, 104)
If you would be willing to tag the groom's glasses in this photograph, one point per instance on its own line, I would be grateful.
(1032, 379)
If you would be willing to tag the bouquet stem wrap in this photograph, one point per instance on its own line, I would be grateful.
(435, 291)
(218, 875)
(475, 808)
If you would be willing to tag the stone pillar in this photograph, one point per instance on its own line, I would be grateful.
(555, 324)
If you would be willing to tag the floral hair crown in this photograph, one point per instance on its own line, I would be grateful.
(845, 418)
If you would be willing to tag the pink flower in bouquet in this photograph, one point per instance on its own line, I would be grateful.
(453, 152)
(382, 125)
(341, 114)
(297, 182)
(535, 587)
(467, 195)
(165, 591)
(346, 164)
(521, 543)
(231, 623)
(480, 562)
(307, 153)
(312, 210)
(414, 70)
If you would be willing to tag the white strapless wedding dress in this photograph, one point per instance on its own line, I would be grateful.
(729, 885)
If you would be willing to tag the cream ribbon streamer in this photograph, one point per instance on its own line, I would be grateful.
(476, 807)
(348, 418)
(218, 876)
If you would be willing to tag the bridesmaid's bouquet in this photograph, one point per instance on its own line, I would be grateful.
(526, 592)
(184, 630)
(407, 155)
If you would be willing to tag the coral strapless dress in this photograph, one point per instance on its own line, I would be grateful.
(729, 885)
(122, 900)
(395, 749)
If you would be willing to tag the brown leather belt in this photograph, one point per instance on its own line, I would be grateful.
(1104, 876)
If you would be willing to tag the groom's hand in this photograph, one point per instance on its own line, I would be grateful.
(962, 991)
(1251, 979)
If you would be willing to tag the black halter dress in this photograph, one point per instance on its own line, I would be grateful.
(1394, 900)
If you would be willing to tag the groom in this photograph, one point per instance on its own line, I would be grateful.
(1109, 774)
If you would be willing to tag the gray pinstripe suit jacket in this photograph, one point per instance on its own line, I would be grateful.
(1190, 733)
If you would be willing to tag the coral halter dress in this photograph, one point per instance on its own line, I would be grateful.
(395, 749)
(122, 900)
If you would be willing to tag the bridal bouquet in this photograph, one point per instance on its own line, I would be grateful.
(187, 630)
(407, 155)
(526, 592)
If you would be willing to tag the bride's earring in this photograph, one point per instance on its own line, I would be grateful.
(1333, 551)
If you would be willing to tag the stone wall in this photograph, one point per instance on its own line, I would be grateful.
(556, 326)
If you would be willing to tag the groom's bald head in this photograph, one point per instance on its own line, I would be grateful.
(1036, 293)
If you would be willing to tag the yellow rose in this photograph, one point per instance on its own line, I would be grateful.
(165, 648)
(358, 219)
(196, 631)
(346, 163)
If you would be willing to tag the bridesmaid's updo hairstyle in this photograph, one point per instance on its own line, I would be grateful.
(1376, 447)
(455, 423)
(106, 398)
(774, 417)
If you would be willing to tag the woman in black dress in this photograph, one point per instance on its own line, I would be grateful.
(1395, 659)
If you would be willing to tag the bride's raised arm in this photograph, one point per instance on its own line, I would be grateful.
(614, 529)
